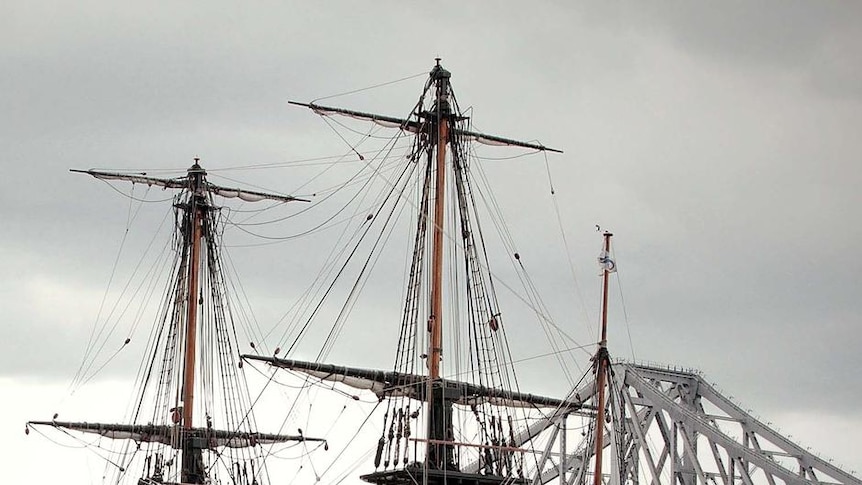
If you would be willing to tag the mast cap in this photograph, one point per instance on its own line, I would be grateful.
(196, 167)
(437, 72)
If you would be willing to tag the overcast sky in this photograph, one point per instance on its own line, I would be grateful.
(720, 142)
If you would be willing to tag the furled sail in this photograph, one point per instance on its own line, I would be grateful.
(392, 384)
(414, 127)
(170, 435)
(183, 182)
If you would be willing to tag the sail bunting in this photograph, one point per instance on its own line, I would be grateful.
(170, 435)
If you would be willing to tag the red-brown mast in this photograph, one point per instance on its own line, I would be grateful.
(197, 207)
(439, 410)
(601, 362)
(435, 345)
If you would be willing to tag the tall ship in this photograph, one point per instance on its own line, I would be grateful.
(432, 403)
(449, 407)
(192, 419)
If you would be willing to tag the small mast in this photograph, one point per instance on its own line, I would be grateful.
(600, 361)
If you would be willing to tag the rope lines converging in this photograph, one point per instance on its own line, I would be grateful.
(363, 211)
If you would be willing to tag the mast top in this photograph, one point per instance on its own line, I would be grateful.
(196, 167)
(437, 72)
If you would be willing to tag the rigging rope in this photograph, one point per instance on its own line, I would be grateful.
(98, 339)
(535, 301)
(374, 86)
(623, 304)
(568, 252)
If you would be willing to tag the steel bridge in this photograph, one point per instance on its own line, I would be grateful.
(671, 427)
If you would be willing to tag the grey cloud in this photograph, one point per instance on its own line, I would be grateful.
(719, 141)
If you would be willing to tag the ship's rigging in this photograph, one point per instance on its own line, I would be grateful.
(419, 439)
(450, 413)
(193, 414)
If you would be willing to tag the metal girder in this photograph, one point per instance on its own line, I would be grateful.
(672, 427)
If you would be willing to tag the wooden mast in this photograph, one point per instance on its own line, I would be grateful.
(197, 207)
(439, 411)
(601, 362)
(197, 210)
(435, 349)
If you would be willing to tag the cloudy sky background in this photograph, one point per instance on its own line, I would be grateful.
(719, 142)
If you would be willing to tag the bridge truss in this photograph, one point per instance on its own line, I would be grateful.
(670, 427)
